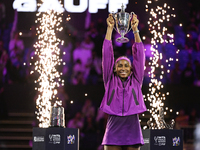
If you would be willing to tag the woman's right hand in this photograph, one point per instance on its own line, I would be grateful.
(110, 21)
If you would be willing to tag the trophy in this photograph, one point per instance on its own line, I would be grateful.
(57, 117)
(160, 123)
(122, 20)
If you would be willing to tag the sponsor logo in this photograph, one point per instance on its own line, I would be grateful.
(160, 140)
(70, 139)
(54, 138)
(146, 140)
(176, 141)
(38, 139)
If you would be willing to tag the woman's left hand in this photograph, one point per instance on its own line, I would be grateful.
(134, 23)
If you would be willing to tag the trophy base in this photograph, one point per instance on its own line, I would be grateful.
(122, 40)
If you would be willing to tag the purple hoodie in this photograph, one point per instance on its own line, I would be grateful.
(123, 98)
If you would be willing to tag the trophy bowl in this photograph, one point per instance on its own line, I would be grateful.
(122, 20)
(57, 117)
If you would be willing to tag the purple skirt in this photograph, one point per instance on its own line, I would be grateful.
(123, 130)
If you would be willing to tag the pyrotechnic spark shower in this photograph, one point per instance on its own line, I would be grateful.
(159, 16)
(47, 52)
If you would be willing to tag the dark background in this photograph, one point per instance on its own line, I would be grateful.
(26, 19)
(21, 96)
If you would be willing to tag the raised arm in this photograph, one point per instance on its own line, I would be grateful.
(107, 50)
(138, 52)
(134, 24)
(110, 22)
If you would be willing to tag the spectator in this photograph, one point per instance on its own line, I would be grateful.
(94, 69)
(184, 57)
(84, 55)
(79, 79)
(3, 62)
(15, 41)
(100, 25)
(78, 73)
(100, 115)
(76, 122)
(63, 96)
(88, 109)
(16, 50)
(16, 45)
(175, 76)
(15, 73)
(99, 37)
(87, 44)
(16, 56)
(193, 118)
(180, 37)
(78, 67)
(101, 120)
(89, 140)
(92, 31)
(89, 125)
(182, 119)
(191, 42)
(187, 76)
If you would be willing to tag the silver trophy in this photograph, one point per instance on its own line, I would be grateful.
(57, 117)
(122, 20)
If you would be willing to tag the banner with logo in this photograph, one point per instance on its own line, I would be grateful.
(163, 139)
(55, 138)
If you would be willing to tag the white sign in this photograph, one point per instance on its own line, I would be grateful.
(25, 5)
(38, 139)
(54, 138)
(160, 140)
(92, 5)
(51, 4)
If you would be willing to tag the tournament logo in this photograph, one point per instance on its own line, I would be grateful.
(176, 141)
(70, 139)
(160, 140)
(54, 138)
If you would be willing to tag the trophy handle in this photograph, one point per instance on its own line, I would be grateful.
(113, 14)
(130, 17)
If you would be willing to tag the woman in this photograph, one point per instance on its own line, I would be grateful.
(123, 99)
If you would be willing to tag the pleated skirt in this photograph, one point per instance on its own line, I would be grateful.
(123, 130)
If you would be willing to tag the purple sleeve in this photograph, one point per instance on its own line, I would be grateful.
(107, 60)
(138, 61)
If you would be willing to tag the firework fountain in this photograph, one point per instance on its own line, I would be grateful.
(47, 52)
(159, 14)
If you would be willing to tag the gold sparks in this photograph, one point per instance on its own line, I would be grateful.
(159, 17)
(47, 51)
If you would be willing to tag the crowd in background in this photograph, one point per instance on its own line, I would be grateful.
(82, 52)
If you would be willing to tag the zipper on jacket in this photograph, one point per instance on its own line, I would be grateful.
(123, 100)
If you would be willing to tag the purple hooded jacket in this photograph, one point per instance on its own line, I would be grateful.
(123, 98)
